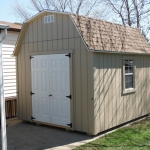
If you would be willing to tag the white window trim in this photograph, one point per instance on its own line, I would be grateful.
(130, 90)
(48, 19)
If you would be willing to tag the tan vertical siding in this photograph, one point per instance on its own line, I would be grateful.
(54, 28)
(23, 82)
(55, 45)
(118, 88)
(28, 84)
(101, 94)
(114, 93)
(119, 108)
(49, 30)
(40, 31)
(148, 84)
(84, 91)
(19, 82)
(45, 45)
(31, 47)
(58, 36)
(110, 91)
(65, 26)
(77, 78)
(35, 30)
(97, 90)
(50, 45)
(60, 26)
(65, 43)
(90, 93)
(26, 37)
(105, 91)
(30, 28)
(60, 44)
(71, 29)
(44, 29)
(141, 85)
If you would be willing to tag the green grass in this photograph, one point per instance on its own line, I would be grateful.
(133, 137)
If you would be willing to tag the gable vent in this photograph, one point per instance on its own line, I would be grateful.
(49, 19)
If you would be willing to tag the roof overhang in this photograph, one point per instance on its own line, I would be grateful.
(14, 30)
(3, 26)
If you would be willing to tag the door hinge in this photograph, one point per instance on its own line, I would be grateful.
(69, 96)
(70, 125)
(32, 118)
(32, 93)
(69, 55)
(31, 57)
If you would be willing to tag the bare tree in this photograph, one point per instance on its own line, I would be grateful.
(134, 13)
(131, 12)
(20, 11)
(84, 7)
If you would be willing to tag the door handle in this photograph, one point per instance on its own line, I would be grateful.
(50, 95)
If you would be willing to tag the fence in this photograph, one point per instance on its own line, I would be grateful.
(11, 107)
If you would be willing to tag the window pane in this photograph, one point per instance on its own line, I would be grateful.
(126, 63)
(126, 70)
(126, 85)
(130, 70)
(126, 78)
(130, 62)
(130, 84)
(130, 78)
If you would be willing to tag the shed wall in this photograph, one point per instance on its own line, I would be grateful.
(111, 107)
(58, 37)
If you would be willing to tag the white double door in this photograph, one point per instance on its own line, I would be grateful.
(50, 86)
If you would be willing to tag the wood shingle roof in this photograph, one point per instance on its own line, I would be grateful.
(106, 36)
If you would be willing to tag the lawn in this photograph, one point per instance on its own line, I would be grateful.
(133, 137)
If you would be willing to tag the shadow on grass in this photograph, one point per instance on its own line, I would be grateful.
(135, 136)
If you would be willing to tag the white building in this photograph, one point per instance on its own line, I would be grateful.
(9, 61)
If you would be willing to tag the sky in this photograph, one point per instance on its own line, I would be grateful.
(5, 11)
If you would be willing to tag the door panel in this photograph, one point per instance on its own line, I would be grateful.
(40, 86)
(59, 89)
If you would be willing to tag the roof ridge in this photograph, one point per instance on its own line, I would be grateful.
(105, 21)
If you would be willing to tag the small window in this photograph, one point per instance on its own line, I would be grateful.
(128, 75)
(45, 19)
(52, 18)
(49, 19)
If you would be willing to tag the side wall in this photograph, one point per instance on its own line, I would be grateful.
(111, 107)
(9, 64)
(58, 37)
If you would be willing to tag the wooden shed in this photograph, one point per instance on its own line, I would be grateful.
(78, 72)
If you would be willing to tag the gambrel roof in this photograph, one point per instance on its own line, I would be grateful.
(101, 36)
(106, 36)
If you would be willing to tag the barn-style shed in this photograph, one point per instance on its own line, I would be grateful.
(79, 72)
